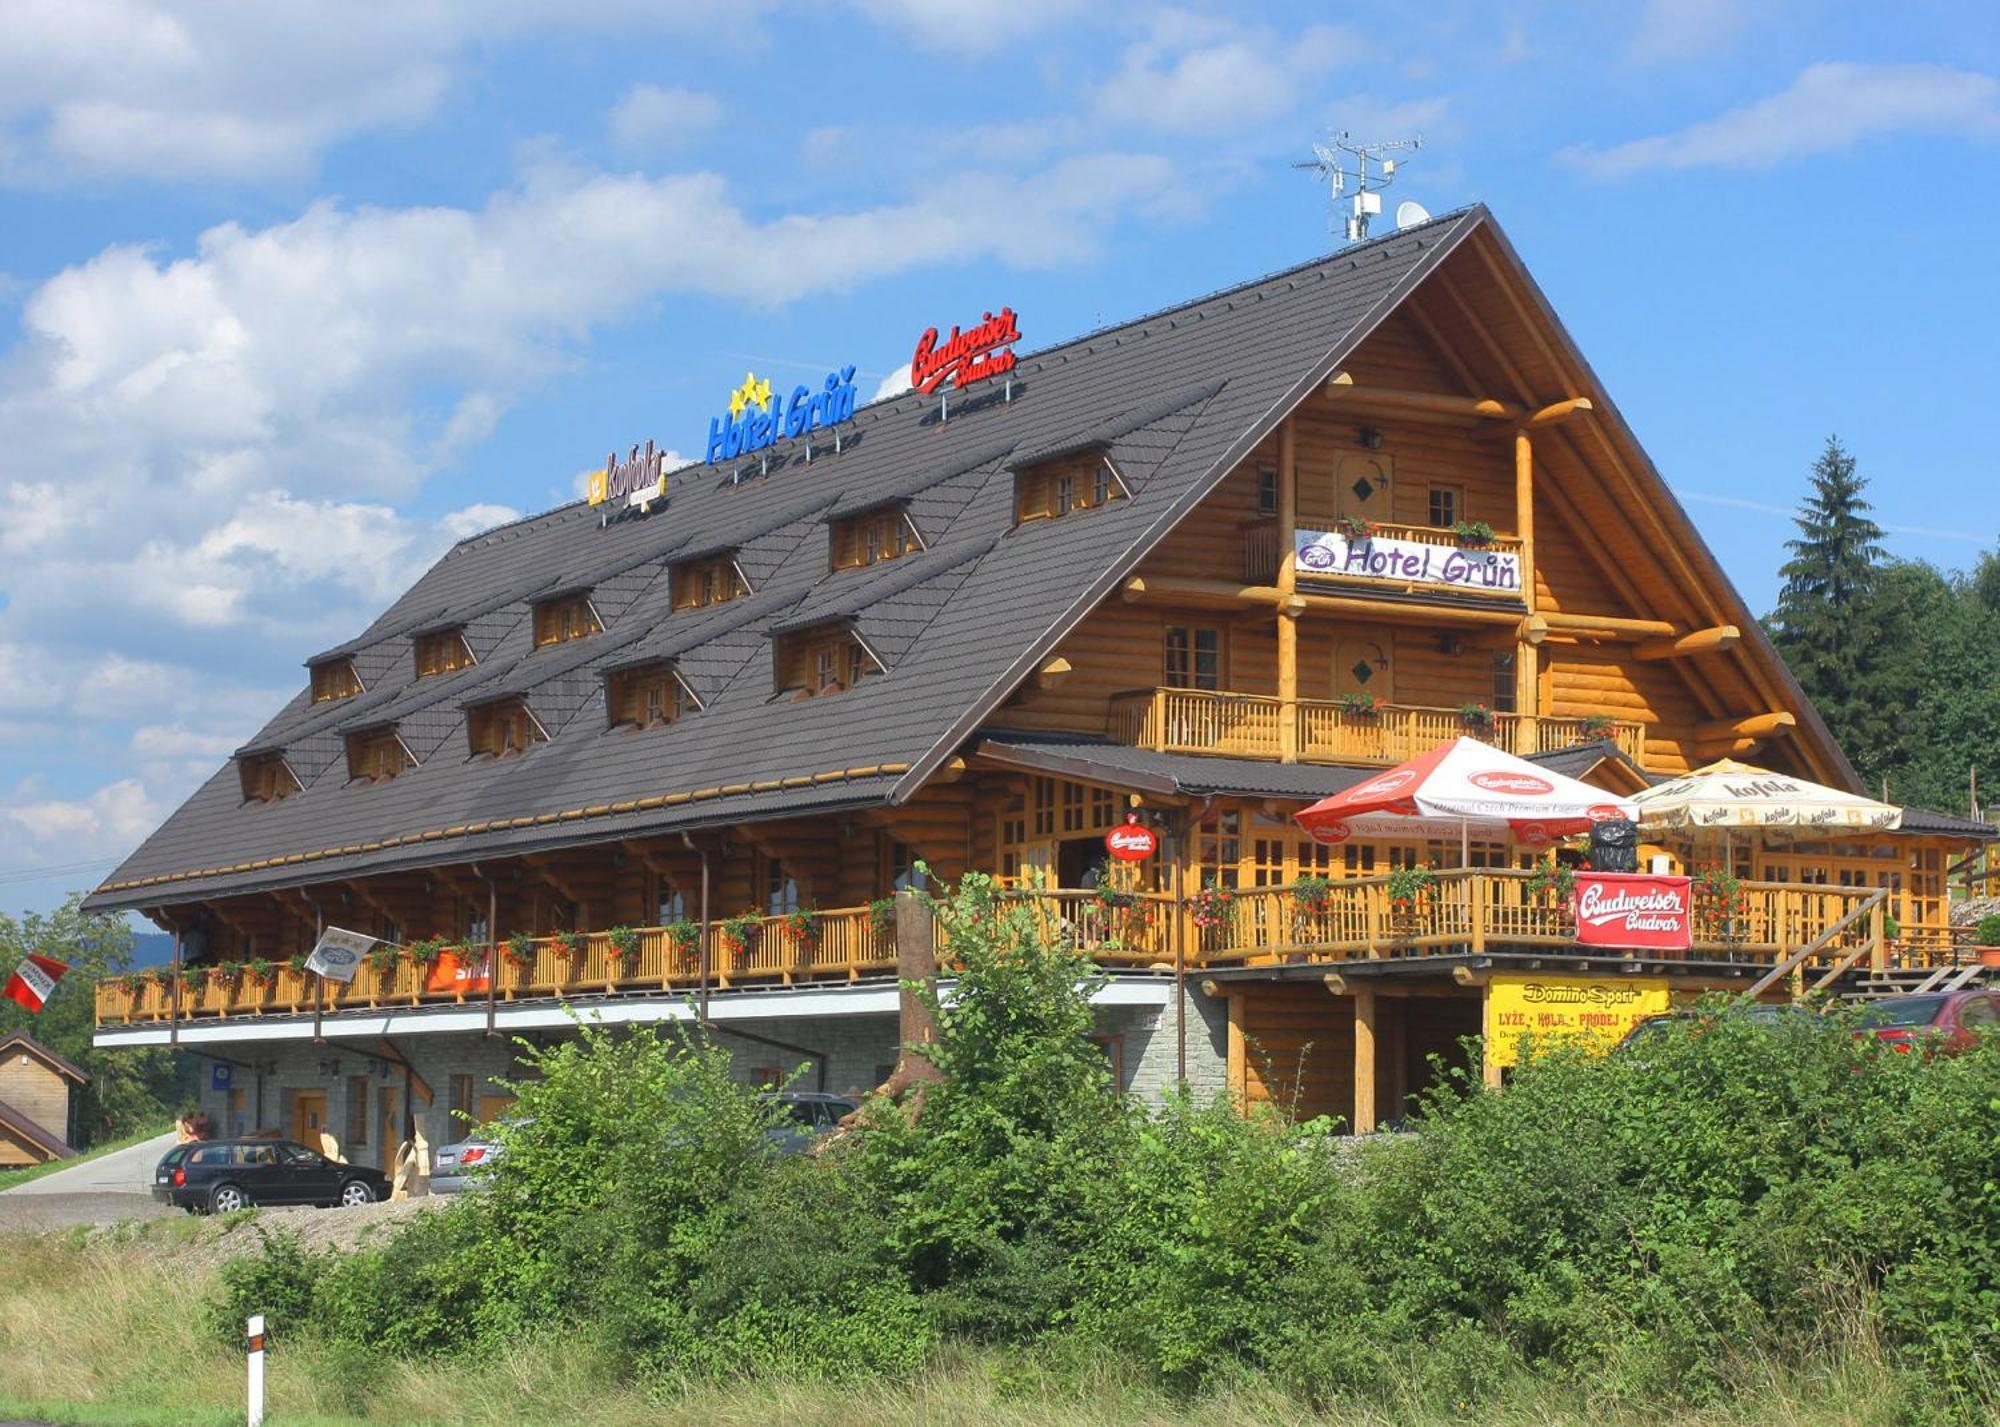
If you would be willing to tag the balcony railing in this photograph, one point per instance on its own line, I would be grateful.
(1248, 726)
(1465, 910)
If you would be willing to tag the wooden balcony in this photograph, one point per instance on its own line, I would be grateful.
(1466, 910)
(1410, 559)
(1248, 726)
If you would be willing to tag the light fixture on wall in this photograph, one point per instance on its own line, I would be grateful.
(329, 1070)
(1369, 437)
(1451, 644)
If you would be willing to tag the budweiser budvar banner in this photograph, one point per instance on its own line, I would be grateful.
(1626, 909)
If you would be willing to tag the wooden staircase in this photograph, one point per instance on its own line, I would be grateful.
(1915, 981)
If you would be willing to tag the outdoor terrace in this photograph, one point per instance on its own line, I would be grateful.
(1333, 731)
(1807, 932)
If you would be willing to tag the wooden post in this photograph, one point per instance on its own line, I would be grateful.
(1475, 891)
(1878, 943)
(1490, 1069)
(1288, 583)
(1527, 683)
(1239, 1058)
(1364, 1059)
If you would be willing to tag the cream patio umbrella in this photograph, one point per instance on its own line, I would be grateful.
(1727, 795)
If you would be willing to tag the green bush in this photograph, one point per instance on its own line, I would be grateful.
(281, 1281)
(1988, 930)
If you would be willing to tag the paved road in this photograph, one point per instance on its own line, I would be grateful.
(126, 1171)
(100, 1191)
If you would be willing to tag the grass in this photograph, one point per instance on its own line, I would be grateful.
(27, 1173)
(103, 1337)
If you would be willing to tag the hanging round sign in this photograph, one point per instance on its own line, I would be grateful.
(1132, 842)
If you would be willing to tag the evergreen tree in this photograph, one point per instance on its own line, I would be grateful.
(1824, 624)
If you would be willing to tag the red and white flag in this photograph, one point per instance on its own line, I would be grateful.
(34, 980)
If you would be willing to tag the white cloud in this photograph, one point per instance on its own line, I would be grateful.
(895, 384)
(1828, 109)
(476, 520)
(970, 27)
(188, 88)
(1195, 74)
(1687, 29)
(26, 685)
(109, 822)
(652, 119)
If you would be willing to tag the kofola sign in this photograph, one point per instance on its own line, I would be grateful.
(756, 417)
(1626, 909)
(972, 355)
(634, 483)
(1383, 557)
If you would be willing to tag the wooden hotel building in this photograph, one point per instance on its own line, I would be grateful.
(979, 636)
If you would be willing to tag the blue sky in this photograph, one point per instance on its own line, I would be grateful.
(291, 295)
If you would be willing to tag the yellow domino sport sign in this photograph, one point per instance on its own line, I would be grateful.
(1593, 1011)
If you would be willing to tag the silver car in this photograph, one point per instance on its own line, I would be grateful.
(465, 1165)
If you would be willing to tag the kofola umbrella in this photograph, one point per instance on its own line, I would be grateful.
(1728, 794)
(1464, 789)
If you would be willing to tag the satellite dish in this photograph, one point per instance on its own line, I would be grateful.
(1408, 215)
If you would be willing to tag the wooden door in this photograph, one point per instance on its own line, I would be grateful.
(492, 1107)
(1360, 666)
(308, 1116)
(1363, 486)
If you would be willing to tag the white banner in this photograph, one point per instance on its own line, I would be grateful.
(337, 954)
(1382, 557)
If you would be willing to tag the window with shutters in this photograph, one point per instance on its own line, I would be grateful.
(1061, 487)
(376, 756)
(823, 662)
(502, 728)
(442, 651)
(334, 679)
(267, 778)
(558, 621)
(647, 696)
(701, 583)
(872, 537)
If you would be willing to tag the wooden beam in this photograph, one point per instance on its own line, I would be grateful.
(1557, 412)
(1224, 594)
(1755, 726)
(1288, 619)
(1608, 626)
(1420, 404)
(1336, 983)
(1053, 673)
(1700, 641)
(1728, 748)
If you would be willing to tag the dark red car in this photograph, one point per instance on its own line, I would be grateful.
(1942, 1023)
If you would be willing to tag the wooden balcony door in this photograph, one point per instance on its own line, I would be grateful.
(1362, 486)
(1360, 666)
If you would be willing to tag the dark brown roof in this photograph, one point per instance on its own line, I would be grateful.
(22, 1041)
(1176, 398)
(20, 1127)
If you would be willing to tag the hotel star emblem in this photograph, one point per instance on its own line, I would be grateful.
(754, 392)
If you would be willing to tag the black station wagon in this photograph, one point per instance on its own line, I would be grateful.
(221, 1176)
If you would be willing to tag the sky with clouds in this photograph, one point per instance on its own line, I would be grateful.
(293, 295)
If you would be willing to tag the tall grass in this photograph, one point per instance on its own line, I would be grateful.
(97, 1334)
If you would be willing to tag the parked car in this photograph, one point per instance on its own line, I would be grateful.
(220, 1176)
(461, 1166)
(1942, 1023)
(1762, 1013)
(809, 1114)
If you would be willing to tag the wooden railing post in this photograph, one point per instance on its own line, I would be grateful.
(1878, 945)
(1475, 890)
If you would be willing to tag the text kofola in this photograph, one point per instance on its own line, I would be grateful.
(758, 427)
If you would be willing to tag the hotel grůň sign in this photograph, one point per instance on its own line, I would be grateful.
(1325, 553)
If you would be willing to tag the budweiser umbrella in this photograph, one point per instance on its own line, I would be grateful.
(1464, 789)
(1729, 795)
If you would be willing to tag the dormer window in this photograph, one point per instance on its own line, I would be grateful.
(701, 583)
(503, 728)
(1057, 488)
(648, 696)
(334, 679)
(267, 778)
(824, 661)
(377, 755)
(442, 651)
(568, 617)
(871, 537)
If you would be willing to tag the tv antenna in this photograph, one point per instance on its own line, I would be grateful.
(1344, 167)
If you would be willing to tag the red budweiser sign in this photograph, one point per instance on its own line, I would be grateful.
(1628, 909)
(966, 356)
(1131, 842)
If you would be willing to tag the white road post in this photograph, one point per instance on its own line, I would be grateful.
(256, 1335)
